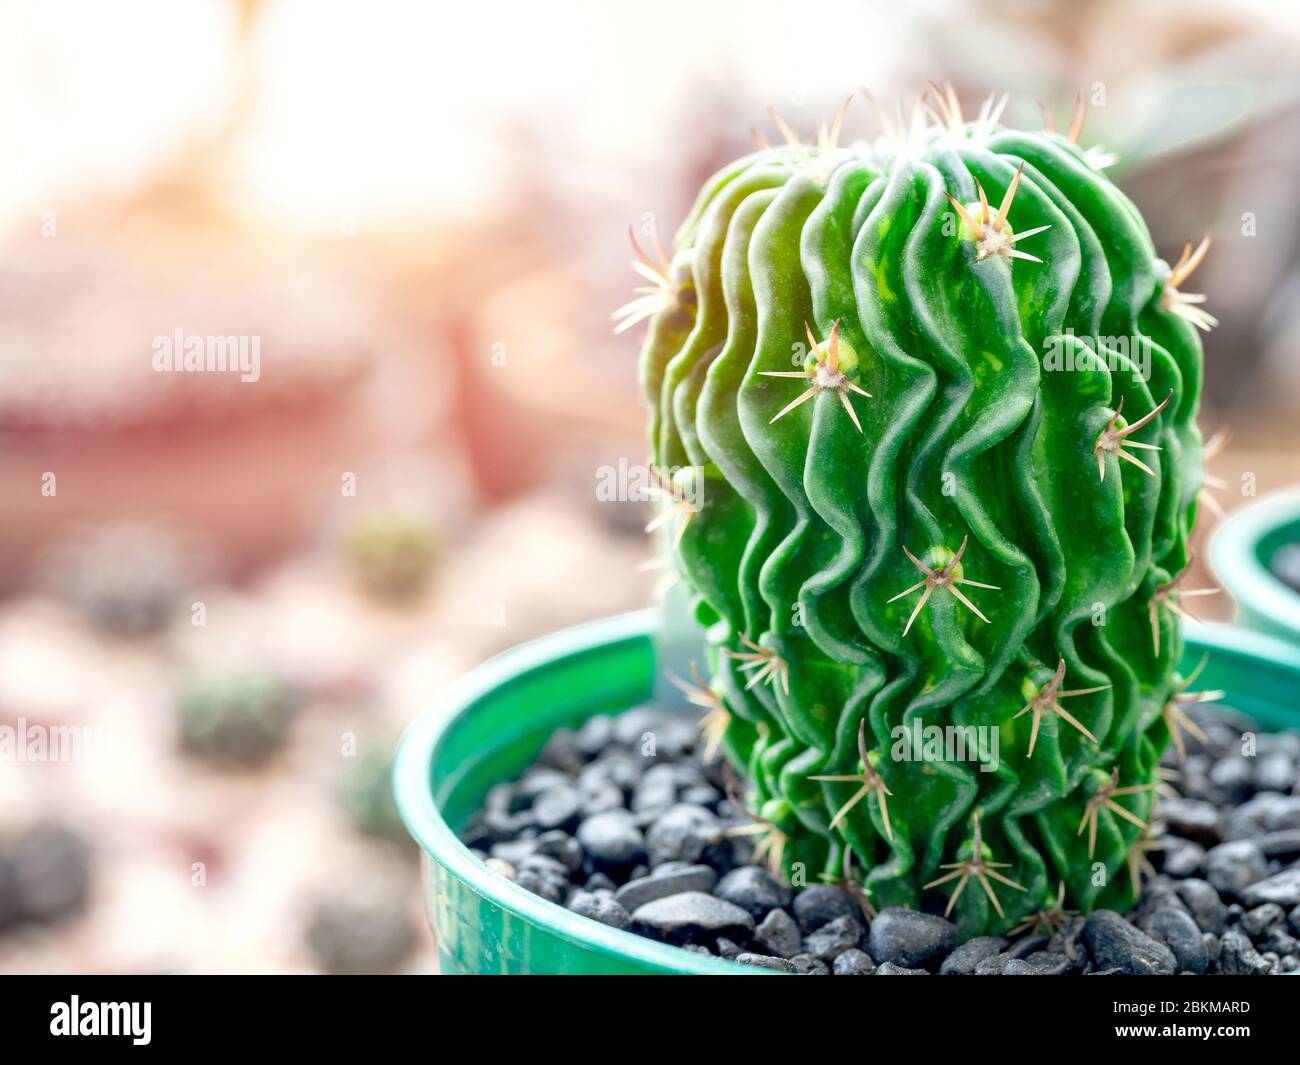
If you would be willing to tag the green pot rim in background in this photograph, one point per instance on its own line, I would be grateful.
(491, 724)
(1241, 552)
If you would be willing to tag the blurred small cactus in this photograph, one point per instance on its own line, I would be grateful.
(238, 720)
(44, 875)
(125, 579)
(368, 793)
(364, 926)
(392, 554)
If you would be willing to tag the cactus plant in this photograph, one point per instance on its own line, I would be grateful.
(367, 793)
(237, 719)
(126, 579)
(393, 554)
(924, 411)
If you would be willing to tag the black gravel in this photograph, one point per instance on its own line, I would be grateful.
(621, 822)
(910, 939)
(1286, 565)
(778, 934)
(693, 917)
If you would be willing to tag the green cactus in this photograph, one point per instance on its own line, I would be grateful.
(917, 476)
(367, 793)
(393, 554)
(235, 720)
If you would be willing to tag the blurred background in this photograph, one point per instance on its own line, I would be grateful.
(233, 595)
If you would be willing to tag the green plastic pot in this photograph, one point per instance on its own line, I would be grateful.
(491, 725)
(1242, 553)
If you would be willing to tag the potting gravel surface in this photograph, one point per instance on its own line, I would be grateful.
(639, 842)
(1286, 566)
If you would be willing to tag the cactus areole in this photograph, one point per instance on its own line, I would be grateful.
(924, 416)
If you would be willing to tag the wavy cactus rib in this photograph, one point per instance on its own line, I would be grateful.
(919, 501)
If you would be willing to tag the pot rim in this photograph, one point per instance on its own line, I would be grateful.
(1236, 556)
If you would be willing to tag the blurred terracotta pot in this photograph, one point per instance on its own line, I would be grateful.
(92, 430)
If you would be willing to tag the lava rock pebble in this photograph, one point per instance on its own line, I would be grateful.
(994, 965)
(1284, 889)
(1286, 565)
(853, 963)
(1238, 956)
(910, 939)
(656, 791)
(890, 969)
(692, 917)
(766, 961)
(600, 906)
(561, 847)
(1182, 857)
(725, 948)
(833, 939)
(599, 882)
(1233, 867)
(557, 807)
(1259, 920)
(1284, 845)
(681, 834)
(612, 842)
(778, 934)
(561, 752)
(1177, 930)
(1068, 940)
(1038, 963)
(548, 887)
(820, 904)
(1116, 944)
(1208, 910)
(962, 961)
(1193, 819)
(807, 965)
(1274, 772)
(754, 890)
(659, 885)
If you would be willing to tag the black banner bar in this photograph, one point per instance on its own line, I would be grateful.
(144, 1014)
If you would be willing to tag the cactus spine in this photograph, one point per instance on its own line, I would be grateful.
(925, 411)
